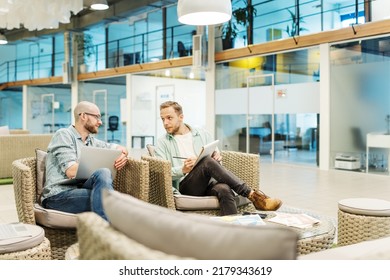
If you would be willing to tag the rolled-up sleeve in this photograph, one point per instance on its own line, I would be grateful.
(64, 150)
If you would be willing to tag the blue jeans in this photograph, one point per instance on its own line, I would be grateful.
(209, 177)
(84, 198)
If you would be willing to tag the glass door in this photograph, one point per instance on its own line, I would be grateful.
(260, 116)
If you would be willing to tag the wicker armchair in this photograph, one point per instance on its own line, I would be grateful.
(133, 180)
(245, 166)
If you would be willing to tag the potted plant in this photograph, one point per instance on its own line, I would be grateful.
(241, 16)
(85, 48)
(295, 28)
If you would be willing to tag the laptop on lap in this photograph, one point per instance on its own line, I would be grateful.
(91, 159)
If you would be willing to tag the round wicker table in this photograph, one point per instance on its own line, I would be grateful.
(362, 219)
(313, 239)
(39, 252)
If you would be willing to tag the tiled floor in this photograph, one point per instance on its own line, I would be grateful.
(318, 190)
(298, 186)
(7, 205)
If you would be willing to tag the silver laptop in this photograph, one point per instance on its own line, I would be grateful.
(91, 159)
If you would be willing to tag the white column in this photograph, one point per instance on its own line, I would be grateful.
(210, 83)
(75, 82)
(129, 104)
(24, 107)
(324, 129)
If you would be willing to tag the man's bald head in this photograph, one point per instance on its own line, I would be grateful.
(85, 107)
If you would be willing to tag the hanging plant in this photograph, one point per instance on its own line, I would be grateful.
(85, 45)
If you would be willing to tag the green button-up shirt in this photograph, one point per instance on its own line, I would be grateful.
(167, 148)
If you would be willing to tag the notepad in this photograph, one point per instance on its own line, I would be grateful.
(207, 150)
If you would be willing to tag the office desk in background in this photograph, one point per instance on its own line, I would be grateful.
(141, 141)
(378, 140)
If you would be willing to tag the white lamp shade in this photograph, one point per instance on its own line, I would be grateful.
(204, 12)
(99, 5)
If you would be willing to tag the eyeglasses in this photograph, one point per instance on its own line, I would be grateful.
(97, 117)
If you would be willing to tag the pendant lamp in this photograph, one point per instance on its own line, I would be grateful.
(204, 12)
(99, 5)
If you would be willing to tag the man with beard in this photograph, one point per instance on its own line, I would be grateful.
(62, 158)
(181, 145)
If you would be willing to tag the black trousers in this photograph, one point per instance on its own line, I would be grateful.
(209, 177)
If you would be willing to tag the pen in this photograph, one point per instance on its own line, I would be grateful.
(179, 157)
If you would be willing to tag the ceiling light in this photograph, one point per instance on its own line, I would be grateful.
(99, 5)
(204, 12)
(37, 15)
(3, 40)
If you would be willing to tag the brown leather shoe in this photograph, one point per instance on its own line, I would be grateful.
(263, 202)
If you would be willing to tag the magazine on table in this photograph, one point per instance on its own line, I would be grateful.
(246, 220)
(298, 220)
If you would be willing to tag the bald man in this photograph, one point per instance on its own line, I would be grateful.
(63, 154)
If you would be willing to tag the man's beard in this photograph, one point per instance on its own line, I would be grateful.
(175, 130)
(92, 129)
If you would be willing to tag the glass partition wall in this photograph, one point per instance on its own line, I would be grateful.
(269, 105)
(48, 108)
(109, 95)
(360, 104)
(11, 104)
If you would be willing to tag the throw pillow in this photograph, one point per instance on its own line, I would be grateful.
(41, 172)
(195, 236)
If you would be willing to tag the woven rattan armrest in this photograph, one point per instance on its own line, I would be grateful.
(244, 166)
(160, 182)
(24, 181)
(133, 179)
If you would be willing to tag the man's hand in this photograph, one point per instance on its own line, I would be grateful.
(217, 156)
(188, 165)
(71, 171)
(121, 161)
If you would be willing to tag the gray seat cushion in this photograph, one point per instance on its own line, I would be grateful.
(189, 202)
(53, 218)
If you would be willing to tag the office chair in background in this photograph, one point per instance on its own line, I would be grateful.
(181, 49)
(113, 122)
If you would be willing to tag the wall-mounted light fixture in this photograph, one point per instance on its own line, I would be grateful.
(204, 12)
